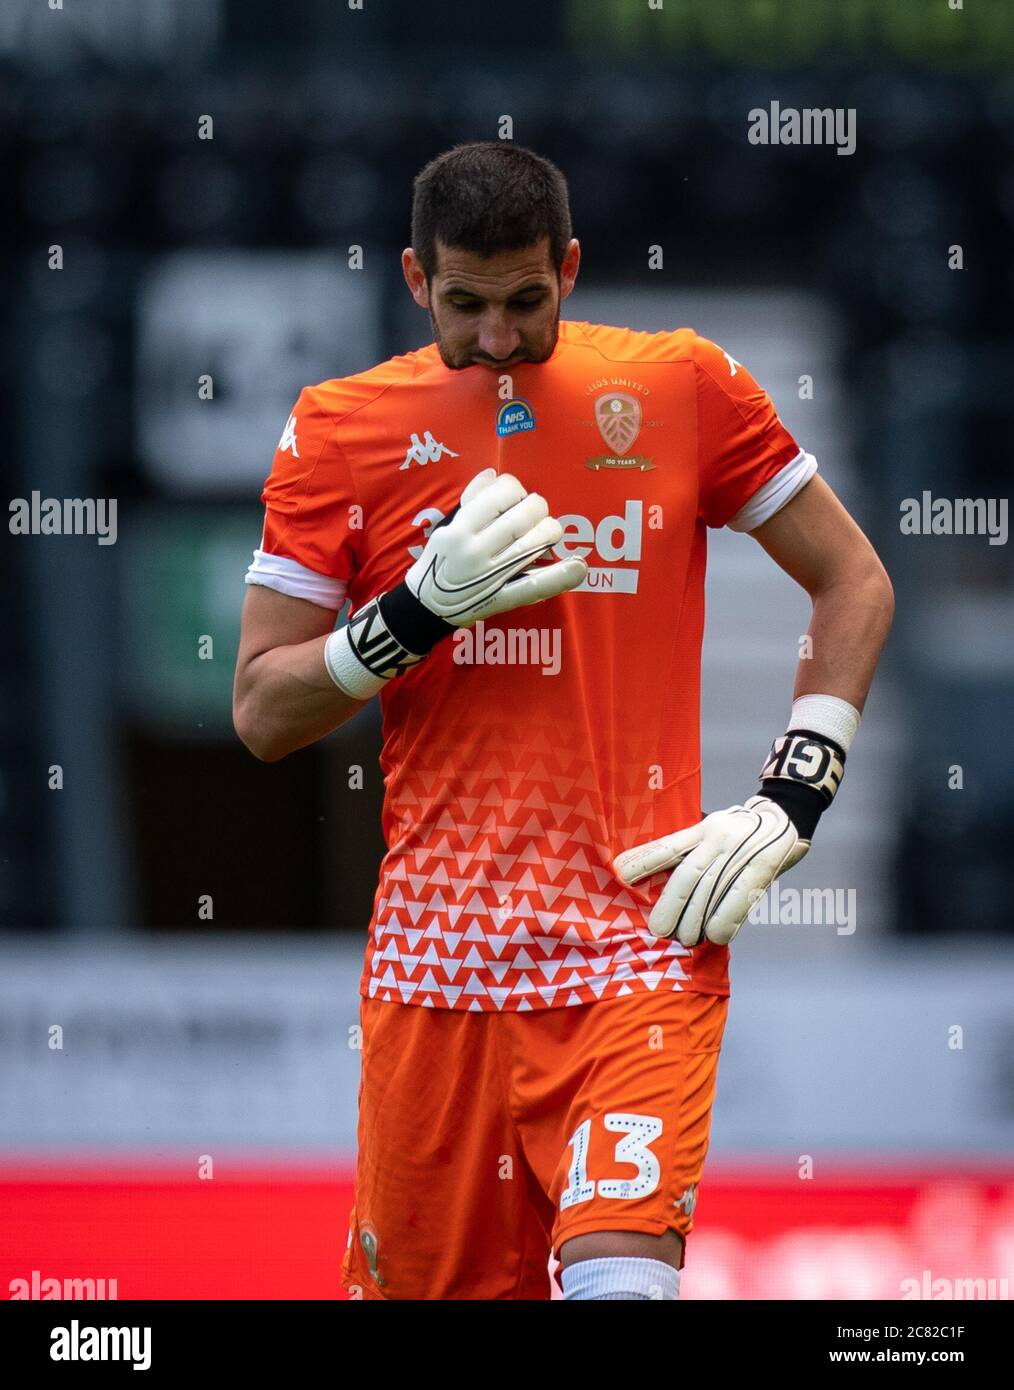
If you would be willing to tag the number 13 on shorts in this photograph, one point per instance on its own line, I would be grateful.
(638, 1132)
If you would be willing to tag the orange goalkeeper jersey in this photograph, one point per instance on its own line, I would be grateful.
(524, 753)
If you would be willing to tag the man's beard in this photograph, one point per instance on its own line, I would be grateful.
(460, 366)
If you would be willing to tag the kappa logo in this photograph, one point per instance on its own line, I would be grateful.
(288, 439)
(688, 1201)
(425, 450)
(733, 364)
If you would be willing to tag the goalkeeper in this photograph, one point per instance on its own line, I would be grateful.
(545, 984)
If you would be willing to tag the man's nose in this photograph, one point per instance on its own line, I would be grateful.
(498, 338)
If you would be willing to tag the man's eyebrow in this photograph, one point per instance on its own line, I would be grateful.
(473, 294)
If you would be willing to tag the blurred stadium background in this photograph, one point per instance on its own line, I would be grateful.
(865, 1116)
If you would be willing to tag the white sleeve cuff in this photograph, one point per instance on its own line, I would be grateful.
(290, 577)
(773, 495)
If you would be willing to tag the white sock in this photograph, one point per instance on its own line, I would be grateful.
(621, 1277)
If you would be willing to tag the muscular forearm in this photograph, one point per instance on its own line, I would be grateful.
(285, 699)
(850, 623)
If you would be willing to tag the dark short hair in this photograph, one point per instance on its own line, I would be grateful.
(489, 196)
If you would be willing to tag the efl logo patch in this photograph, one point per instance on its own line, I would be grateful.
(514, 417)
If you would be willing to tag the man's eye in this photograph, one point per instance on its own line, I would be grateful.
(529, 303)
(465, 306)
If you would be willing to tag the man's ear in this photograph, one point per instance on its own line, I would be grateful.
(569, 267)
(415, 277)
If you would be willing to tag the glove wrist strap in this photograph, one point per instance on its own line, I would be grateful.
(803, 806)
(380, 641)
(805, 766)
(411, 624)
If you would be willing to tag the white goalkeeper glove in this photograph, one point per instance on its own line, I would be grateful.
(479, 561)
(475, 563)
(725, 862)
(722, 865)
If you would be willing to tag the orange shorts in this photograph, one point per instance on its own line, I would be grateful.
(487, 1140)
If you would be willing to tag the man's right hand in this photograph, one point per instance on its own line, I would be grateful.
(479, 560)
